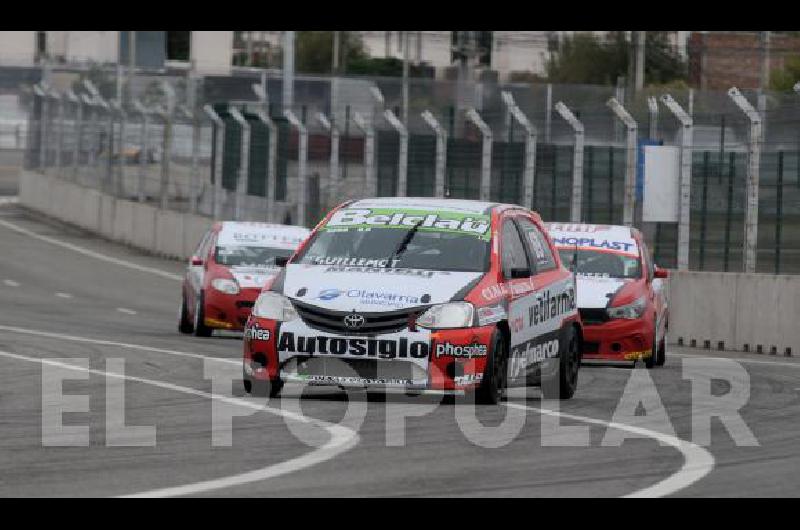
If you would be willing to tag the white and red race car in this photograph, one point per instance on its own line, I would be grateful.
(232, 263)
(419, 294)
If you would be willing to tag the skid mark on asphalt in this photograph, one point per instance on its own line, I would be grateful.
(90, 253)
(697, 461)
(341, 438)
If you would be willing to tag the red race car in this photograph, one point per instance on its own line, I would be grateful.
(621, 295)
(232, 263)
(420, 295)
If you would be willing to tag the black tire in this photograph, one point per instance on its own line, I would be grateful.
(185, 326)
(200, 329)
(650, 361)
(261, 388)
(495, 375)
(661, 358)
(569, 363)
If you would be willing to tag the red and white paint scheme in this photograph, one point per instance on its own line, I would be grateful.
(621, 293)
(230, 266)
(422, 295)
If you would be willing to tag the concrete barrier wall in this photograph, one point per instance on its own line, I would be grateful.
(746, 312)
(145, 227)
(743, 311)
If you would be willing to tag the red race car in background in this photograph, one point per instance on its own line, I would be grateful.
(419, 295)
(232, 263)
(621, 293)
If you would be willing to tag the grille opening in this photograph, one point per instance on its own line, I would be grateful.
(346, 367)
(616, 346)
(593, 316)
(260, 359)
(374, 322)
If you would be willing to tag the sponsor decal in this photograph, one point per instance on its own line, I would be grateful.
(257, 333)
(490, 314)
(531, 353)
(593, 275)
(637, 355)
(389, 271)
(466, 351)
(353, 262)
(548, 307)
(589, 242)
(368, 218)
(381, 348)
(516, 288)
(467, 379)
(341, 380)
(214, 323)
(366, 296)
(565, 227)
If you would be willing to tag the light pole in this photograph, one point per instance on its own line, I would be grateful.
(684, 211)
(629, 199)
(577, 161)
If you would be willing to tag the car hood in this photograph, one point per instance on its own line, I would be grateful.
(372, 289)
(253, 277)
(596, 291)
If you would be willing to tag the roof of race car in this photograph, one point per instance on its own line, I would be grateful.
(261, 234)
(429, 203)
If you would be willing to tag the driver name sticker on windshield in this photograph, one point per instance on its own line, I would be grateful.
(454, 222)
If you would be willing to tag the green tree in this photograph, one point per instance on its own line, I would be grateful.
(585, 58)
(314, 50)
(783, 80)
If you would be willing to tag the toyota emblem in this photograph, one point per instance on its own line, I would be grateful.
(354, 320)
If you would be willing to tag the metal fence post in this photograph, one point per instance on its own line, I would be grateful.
(577, 161)
(402, 158)
(441, 152)
(120, 174)
(216, 197)
(272, 150)
(529, 168)
(78, 132)
(42, 94)
(166, 157)
(684, 210)
(371, 176)
(302, 174)
(143, 155)
(652, 106)
(59, 130)
(486, 154)
(754, 160)
(333, 171)
(629, 200)
(244, 163)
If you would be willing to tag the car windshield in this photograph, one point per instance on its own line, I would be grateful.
(603, 264)
(441, 244)
(248, 256)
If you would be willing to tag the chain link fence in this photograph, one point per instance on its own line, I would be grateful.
(162, 148)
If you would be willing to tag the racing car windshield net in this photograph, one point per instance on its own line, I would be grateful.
(245, 256)
(372, 247)
(603, 264)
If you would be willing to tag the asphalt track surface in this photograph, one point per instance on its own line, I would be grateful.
(66, 296)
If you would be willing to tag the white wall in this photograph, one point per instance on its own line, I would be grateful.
(80, 46)
(212, 51)
(17, 48)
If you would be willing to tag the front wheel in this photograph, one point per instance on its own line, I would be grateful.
(650, 361)
(568, 365)
(200, 328)
(495, 375)
(185, 325)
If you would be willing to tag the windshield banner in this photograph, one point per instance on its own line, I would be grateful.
(442, 221)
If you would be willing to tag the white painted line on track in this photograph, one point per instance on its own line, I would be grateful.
(9, 200)
(72, 338)
(697, 461)
(11, 283)
(90, 253)
(126, 311)
(341, 438)
(63, 295)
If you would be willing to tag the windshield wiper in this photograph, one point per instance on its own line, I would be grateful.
(403, 244)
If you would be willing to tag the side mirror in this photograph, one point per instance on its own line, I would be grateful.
(520, 273)
(281, 261)
(660, 273)
(195, 261)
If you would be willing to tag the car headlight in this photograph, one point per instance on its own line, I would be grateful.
(225, 285)
(630, 311)
(450, 315)
(274, 306)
